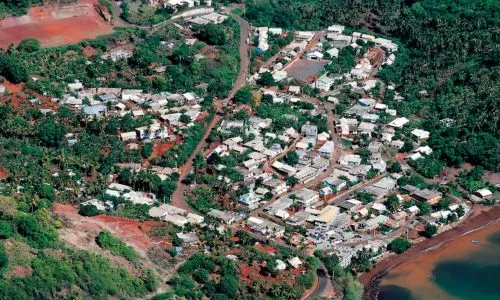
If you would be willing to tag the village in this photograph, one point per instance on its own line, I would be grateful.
(307, 151)
(312, 178)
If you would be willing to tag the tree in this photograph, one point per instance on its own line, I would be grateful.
(13, 69)
(5, 229)
(444, 203)
(147, 150)
(395, 167)
(243, 96)
(430, 230)
(364, 197)
(29, 45)
(399, 245)
(50, 133)
(177, 241)
(212, 34)
(266, 79)
(292, 158)
(185, 119)
(88, 210)
(291, 181)
(393, 203)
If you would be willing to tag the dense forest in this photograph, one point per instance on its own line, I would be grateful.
(447, 68)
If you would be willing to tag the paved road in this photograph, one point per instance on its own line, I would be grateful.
(178, 198)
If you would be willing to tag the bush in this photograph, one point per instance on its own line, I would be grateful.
(88, 211)
(5, 230)
(399, 245)
(107, 241)
(430, 230)
(29, 45)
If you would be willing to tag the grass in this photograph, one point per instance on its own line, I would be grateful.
(237, 11)
(107, 241)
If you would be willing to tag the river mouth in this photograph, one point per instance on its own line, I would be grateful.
(466, 268)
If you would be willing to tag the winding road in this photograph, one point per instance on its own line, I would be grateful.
(178, 197)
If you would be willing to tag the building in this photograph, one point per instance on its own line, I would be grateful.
(324, 83)
(306, 174)
(265, 227)
(398, 122)
(224, 216)
(250, 200)
(430, 196)
(309, 130)
(350, 160)
(306, 197)
(327, 149)
(325, 215)
(420, 134)
(276, 186)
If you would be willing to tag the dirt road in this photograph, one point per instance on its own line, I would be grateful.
(178, 198)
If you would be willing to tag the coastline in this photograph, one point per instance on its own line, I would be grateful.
(474, 223)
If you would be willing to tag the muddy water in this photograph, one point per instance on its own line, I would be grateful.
(458, 270)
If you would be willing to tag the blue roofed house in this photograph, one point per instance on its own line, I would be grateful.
(93, 111)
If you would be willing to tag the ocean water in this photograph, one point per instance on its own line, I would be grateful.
(459, 270)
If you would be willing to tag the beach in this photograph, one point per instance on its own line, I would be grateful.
(451, 244)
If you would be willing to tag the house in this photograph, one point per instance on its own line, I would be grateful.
(430, 196)
(483, 193)
(304, 35)
(315, 55)
(375, 147)
(93, 111)
(128, 136)
(276, 186)
(324, 83)
(413, 210)
(265, 227)
(350, 160)
(325, 215)
(426, 150)
(294, 89)
(295, 262)
(420, 134)
(351, 205)
(250, 200)
(306, 197)
(333, 52)
(327, 149)
(336, 183)
(338, 29)
(309, 130)
(188, 239)
(306, 174)
(224, 216)
(398, 122)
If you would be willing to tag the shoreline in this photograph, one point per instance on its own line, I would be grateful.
(477, 222)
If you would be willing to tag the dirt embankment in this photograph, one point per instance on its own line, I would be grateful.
(82, 228)
(55, 25)
(480, 218)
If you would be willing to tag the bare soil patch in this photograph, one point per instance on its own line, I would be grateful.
(55, 25)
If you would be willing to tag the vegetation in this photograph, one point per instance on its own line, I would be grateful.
(430, 230)
(107, 241)
(56, 270)
(446, 48)
(399, 245)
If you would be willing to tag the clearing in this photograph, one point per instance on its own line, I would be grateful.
(55, 25)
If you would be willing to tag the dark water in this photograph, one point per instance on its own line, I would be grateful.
(475, 276)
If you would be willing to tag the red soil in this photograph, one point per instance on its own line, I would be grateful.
(3, 173)
(128, 230)
(55, 26)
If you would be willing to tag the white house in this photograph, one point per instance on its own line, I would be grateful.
(324, 83)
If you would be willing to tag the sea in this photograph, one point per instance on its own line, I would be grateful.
(466, 268)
